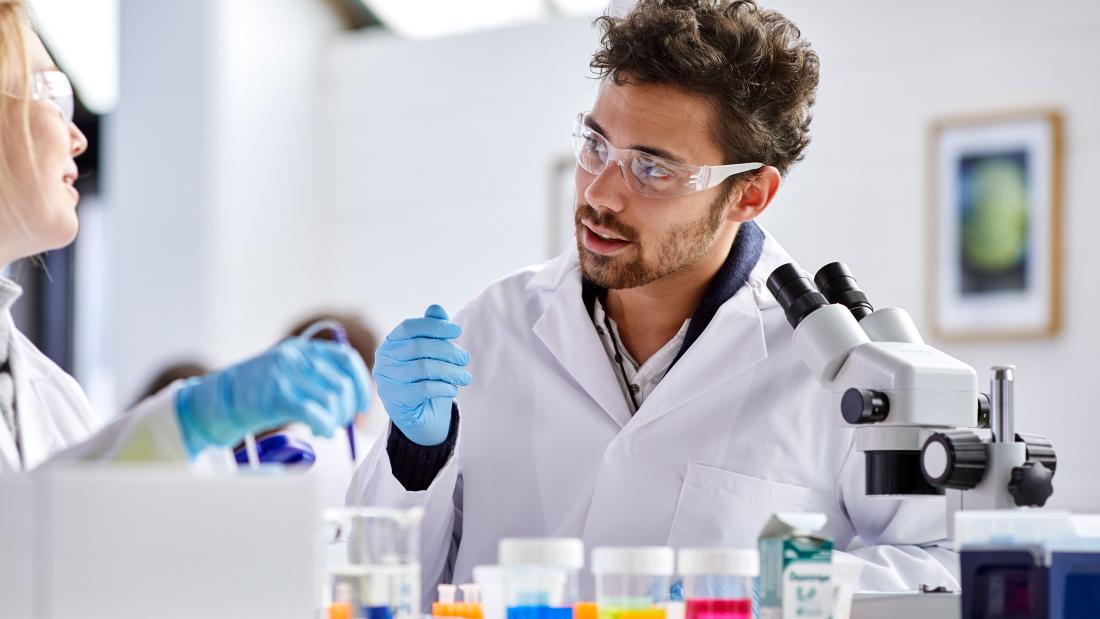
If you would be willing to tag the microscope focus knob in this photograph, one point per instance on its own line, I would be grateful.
(859, 406)
(955, 460)
(985, 411)
(1030, 484)
(1039, 449)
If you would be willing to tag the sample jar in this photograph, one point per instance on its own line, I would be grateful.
(374, 552)
(632, 582)
(717, 582)
(490, 579)
(541, 576)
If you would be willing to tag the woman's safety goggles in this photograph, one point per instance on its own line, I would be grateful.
(53, 87)
(646, 174)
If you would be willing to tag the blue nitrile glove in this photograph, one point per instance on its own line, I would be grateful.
(322, 384)
(419, 370)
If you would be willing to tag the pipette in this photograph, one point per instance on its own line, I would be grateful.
(340, 336)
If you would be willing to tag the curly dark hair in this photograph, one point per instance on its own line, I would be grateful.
(751, 62)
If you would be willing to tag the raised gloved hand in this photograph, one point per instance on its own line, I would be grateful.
(419, 370)
(319, 383)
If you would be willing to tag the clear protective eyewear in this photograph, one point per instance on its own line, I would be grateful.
(645, 173)
(52, 86)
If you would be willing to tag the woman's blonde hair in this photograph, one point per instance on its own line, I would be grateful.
(15, 71)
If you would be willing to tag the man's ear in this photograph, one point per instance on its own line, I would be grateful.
(752, 199)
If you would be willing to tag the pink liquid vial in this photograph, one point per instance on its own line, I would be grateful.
(719, 609)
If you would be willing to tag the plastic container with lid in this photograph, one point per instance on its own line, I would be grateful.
(717, 582)
(541, 576)
(632, 582)
(490, 579)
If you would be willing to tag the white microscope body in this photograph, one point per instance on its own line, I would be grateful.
(914, 407)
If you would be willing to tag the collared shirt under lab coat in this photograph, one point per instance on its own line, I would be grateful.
(737, 429)
(55, 419)
(638, 380)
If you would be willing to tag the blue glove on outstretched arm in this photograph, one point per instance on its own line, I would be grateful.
(319, 383)
(419, 370)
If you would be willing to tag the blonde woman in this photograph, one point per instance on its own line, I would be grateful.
(44, 415)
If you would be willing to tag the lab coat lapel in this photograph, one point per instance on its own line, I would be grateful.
(9, 457)
(732, 343)
(9, 453)
(566, 329)
(37, 431)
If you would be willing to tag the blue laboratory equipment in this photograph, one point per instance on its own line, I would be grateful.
(1033, 564)
(1074, 584)
(279, 448)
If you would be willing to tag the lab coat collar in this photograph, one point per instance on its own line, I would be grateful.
(772, 257)
(733, 276)
(552, 275)
(9, 294)
(566, 329)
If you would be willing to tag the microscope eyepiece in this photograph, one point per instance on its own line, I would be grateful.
(836, 283)
(795, 292)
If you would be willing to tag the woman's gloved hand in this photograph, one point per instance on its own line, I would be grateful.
(419, 370)
(319, 383)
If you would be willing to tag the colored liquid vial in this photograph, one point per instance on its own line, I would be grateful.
(719, 609)
(540, 612)
(339, 610)
(585, 610)
(612, 612)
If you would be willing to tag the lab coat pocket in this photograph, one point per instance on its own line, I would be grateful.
(724, 508)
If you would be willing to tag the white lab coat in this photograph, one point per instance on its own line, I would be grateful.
(737, 430)
(56, 422)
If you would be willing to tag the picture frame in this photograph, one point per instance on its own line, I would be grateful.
(995, 219)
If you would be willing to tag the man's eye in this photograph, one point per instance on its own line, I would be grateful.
(657, 172)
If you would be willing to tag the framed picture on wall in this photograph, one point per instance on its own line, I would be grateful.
(996, 188)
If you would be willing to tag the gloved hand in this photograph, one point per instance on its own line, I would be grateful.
(322, 384)
(419, 370)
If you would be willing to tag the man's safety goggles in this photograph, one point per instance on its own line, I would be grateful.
(647, 174)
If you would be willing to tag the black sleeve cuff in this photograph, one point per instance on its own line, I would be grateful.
(416, 466)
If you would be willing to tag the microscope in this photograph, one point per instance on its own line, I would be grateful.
(916, 410)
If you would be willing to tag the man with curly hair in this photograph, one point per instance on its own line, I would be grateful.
(643, 389)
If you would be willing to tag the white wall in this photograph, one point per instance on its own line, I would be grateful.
(158, 185)
(440, 157)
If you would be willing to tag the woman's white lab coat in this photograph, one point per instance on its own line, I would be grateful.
(737, 430)
(56, 423)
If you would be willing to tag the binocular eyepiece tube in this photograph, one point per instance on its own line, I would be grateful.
(795, 292)
(836, 283)
(799, 297)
